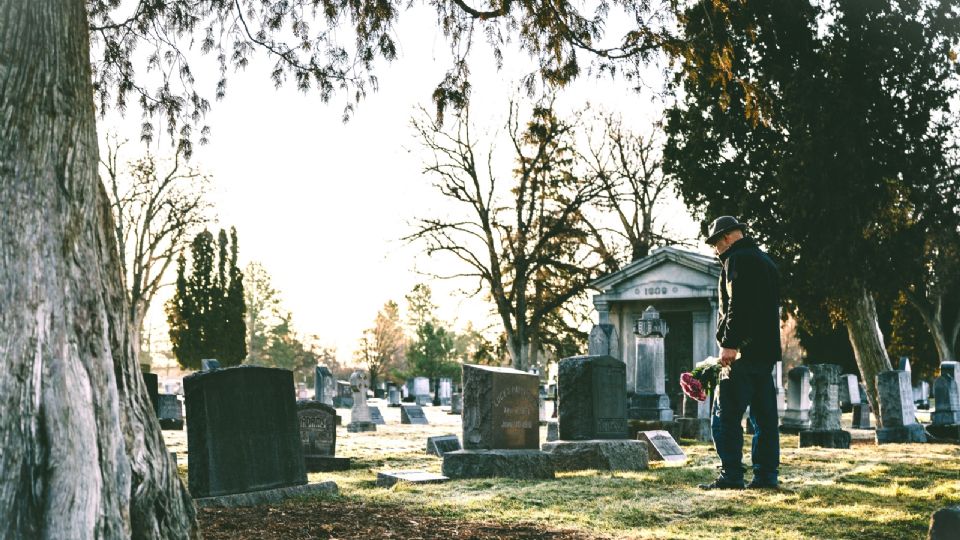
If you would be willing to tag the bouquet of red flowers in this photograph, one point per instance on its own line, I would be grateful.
(697, 384)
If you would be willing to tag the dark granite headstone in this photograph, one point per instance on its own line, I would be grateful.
(344, 397)
(318, 434)
(661, 446)
(861, 416)
(153, 389)
(171, 412)
(243, 433)
(593, 398)
(412, 414)
(946, 395)
(500, 409)
(438, 446)
(945, 524)
(393, 397)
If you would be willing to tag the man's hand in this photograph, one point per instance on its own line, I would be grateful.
(727, 356)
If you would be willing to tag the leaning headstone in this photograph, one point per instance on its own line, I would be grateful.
(593, 417)
(412, 414)
(825, 429)
(797, 416)
(500, 429)
(386, 479)
(360, 420)
(209, 364)
(171, 412)
(849, 392)
(648, 398)
(661, 446)
(946, 395)
(318, 434)
(945, 524)
(438, 446)
(151, 381)
(376, 416)
(456, 403)
(243, 433)
(897, 412)
(324, 385)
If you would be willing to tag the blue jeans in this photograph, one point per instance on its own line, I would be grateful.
(747, 388)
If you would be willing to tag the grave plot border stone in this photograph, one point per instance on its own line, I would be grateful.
(519, 464)
(269, 496)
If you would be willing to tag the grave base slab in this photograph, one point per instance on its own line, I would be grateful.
(599, 454)
(948, 433)
(697, 429)
(360, 427)
(520, 464)
(326, 463)
(901, 434)
(636, 426)
(825, 438)
(254, 498)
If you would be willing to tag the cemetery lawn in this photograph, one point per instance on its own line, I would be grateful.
(885, 492)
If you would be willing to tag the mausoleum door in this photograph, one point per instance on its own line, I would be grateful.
(678, 353)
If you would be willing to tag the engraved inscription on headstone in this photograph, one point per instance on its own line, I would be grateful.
(438, 446)
(318, 430)
(661, 446)
(500, 409)
(515, 413)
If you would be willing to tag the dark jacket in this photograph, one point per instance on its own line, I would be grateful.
(749, 305)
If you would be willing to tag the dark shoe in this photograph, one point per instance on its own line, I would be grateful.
(763, 484)
(721, 483)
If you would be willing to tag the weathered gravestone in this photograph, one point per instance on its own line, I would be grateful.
(386, 479)
(456, 403)
(861, 412)
(324, 385)
(445, 391)
(921, 395)
(897, 412)
(593, 417)
(661, 446)
(393, 397)
(825, 410)
(849, 392)
(360, 420)
(946, 394)
(171, 412)
(421, 391)
(945, 524)
(648, 398)
(412, 414)
(500, 428)
(695, 422)
(797, 416)
(438, 446)
(243, 433)
(604, 341)
(152, 382)
(318, 435)
(376, 416)
(344, 397)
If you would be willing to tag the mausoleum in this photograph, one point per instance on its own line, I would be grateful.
(682, 286)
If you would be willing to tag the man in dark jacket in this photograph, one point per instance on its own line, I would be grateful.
(748, 331)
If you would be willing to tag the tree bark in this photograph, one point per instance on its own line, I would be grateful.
(932, 315)
(81, 454)
(863, 329)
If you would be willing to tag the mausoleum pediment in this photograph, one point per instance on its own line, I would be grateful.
(667, 273)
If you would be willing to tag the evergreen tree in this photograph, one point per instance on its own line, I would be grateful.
(206, 314)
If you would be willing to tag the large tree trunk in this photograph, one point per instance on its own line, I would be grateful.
(866, 339)
(932, 315)
(81, 454)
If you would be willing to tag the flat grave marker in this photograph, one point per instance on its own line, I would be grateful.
(438, 446)
(412, 414)
(661, 446)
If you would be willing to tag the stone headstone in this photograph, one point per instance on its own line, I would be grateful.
(445, 391)
(661, 446)
(171, 412)
(151, 381)
(825, 410)
(344, 396)
(897, 411)
(861, 416)
(243, 433)
(456, 403)
(499, 409)
(849, 392)
(386, 479)
(604, 341)
(324, 385)
(946, 395)
(438, 446)
(208, 364)
(904, 364)
(777, 374)
(360, 420)
(553, 431)
(797, 415)
(921, 395)
(393, 397)
(695, 423)
(593, 401)
(376, 416)
(318, 435)
(945, 524)
(648, 399)
(412, 414)
(421, 387)
(423, 401)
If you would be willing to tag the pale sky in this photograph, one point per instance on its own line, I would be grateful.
(323, 204)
